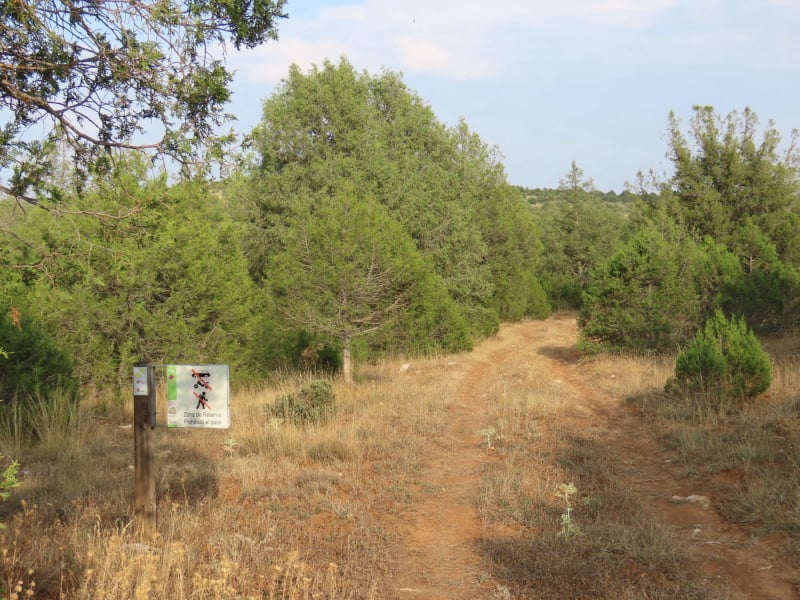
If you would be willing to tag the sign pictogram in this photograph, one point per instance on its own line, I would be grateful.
(197, 396)
(140, 384)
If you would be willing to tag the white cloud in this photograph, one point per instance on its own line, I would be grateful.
(552, 80)
(270, 63)
(469, 40)
(456, 39)
(440, 56)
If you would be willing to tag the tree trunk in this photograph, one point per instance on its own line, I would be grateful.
(347, 367)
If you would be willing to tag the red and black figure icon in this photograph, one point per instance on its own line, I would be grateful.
(201, 377)
(202, 401)
(202, 398)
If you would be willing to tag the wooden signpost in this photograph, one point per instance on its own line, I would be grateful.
(197, 396)
(144, 402)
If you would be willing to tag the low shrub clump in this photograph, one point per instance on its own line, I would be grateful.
(32, 362)
(313, 404)
(724, 363)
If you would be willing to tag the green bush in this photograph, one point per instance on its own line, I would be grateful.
(724, 362)
(644, 298)
(8, 481)
(33, 362)
(314, 404)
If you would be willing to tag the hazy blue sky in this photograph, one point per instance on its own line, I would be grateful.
(549, 82)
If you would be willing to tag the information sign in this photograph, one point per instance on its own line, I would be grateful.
(197, 396)
(140, 387)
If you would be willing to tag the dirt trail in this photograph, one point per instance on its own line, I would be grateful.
(441, 527)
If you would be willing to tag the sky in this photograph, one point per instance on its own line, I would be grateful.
(549, 82)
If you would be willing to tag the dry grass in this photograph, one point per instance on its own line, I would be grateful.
(262, 510)
(750, 452)
(269, 510)
(587, 534)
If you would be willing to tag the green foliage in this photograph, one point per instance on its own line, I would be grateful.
(767, 292)
(313, 404)
(432, 322)
(301, 350)
(167, 283)
(579, 231)
(732, 181)
(724, 362)
(34, 362)
(718, 236)
(720, 279)
(278, 347)
(8, 482)
(100, 75)
(443, 190)
(508, 236)
(741, 193)
(348, 270)
(645, 297)
(513, 252)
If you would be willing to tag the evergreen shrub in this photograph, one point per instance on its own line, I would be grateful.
(33, 364)
(313, 404)
(644, 298)
(8, 481)
(724, 363)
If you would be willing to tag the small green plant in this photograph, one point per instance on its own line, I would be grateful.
(723, 363)
(492, 433)
(488, 434)
(569, 528)
(8, 482)
(314, 404)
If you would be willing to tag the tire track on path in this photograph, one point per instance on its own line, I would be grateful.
(442, 526)
(440, 530)
(727, 554)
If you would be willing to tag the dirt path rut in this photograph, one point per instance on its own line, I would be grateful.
(441, 527)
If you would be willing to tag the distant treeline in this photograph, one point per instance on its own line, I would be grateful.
(360, 225)
(722, 233)
(539, 196)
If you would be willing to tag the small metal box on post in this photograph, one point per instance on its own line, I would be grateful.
(144, 421)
